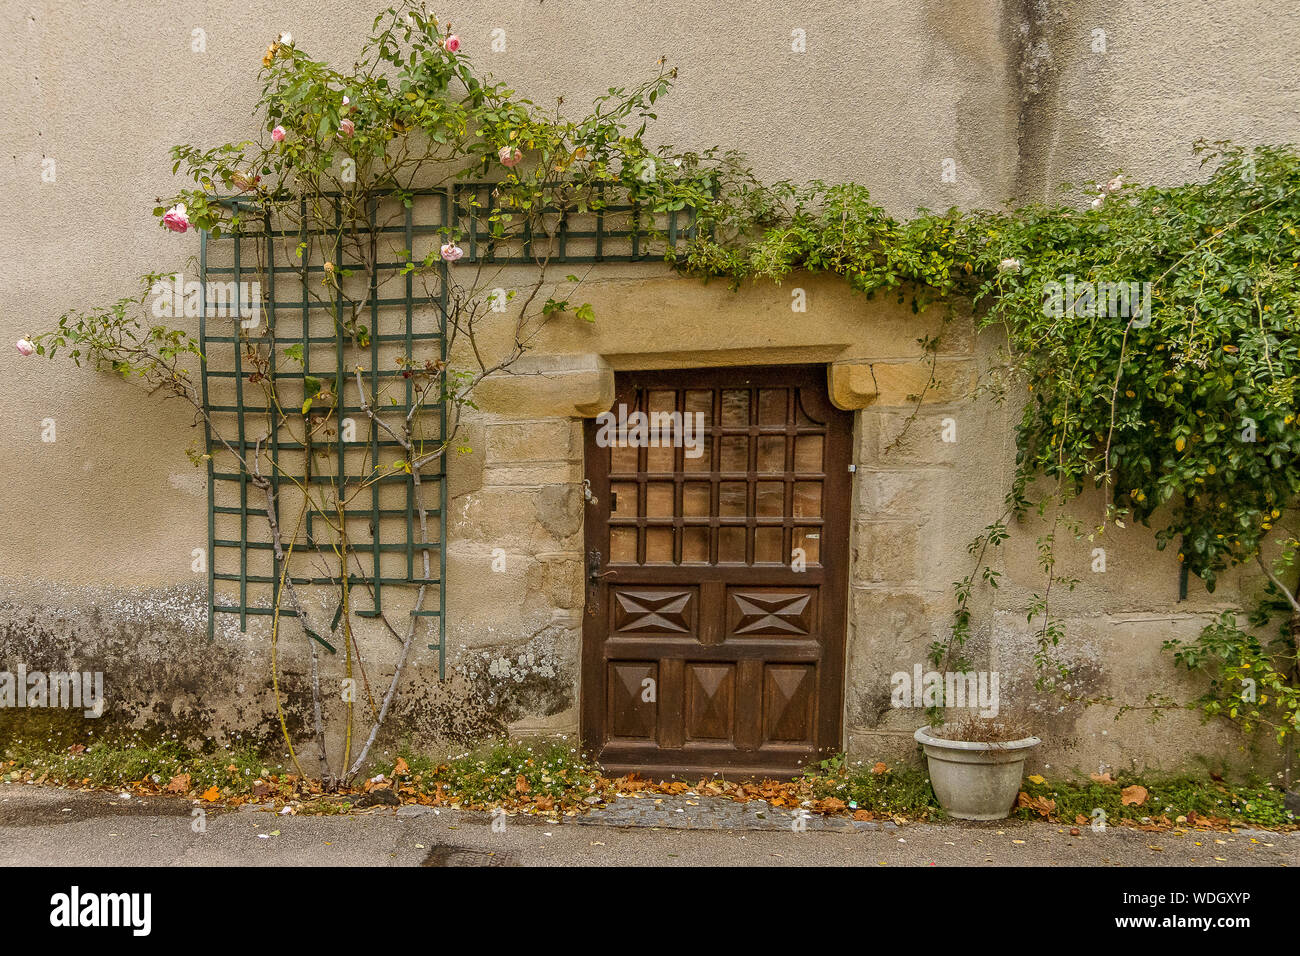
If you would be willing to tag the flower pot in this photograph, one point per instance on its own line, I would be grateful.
(975, 781)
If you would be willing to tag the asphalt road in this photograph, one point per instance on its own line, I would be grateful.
(50, 826)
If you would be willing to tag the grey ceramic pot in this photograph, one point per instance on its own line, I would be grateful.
(975, 781)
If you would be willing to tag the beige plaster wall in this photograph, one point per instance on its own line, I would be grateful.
(95, 557)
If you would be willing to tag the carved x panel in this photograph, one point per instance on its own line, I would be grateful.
(658, 611)
(768, 612)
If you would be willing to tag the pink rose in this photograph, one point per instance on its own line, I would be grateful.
(277, 134)
(451, 252)
(177, 218)
(451, 44)
(510, 156)
(25, 347)
(347, 127)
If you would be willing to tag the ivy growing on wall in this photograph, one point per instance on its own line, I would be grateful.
(1153, 334)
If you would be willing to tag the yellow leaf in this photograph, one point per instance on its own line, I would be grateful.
(211, 794)
(1035, 778)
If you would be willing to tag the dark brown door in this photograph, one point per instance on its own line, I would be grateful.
(717, 573)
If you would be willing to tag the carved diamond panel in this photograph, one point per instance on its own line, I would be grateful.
(710, 701)
(788, 699)
(779, 612)
(628, 711)
(658, 611)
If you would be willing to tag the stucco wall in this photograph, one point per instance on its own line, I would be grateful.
(95, 557)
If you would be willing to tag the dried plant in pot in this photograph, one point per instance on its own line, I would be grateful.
(976, 764)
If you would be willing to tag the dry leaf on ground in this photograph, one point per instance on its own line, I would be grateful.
(1133, 796)
(1038, 804)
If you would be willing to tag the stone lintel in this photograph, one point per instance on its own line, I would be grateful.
(540, 386)
(858, 383)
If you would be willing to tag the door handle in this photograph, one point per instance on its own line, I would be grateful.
(594, 574)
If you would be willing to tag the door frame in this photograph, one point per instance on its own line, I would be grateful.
(833, 553)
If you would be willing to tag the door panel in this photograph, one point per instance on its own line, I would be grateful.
(717, 560)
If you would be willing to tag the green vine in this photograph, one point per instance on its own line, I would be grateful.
(1153, 331)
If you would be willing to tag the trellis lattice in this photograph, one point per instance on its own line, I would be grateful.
(337, 447)
(322, 315)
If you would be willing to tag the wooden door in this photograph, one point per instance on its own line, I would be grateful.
(717, 574)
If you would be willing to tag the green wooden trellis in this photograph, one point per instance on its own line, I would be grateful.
(615, 232)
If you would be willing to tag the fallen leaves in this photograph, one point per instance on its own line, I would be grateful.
(1133, 796)
(179, 783)
(212, 794)
(1040, 805)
